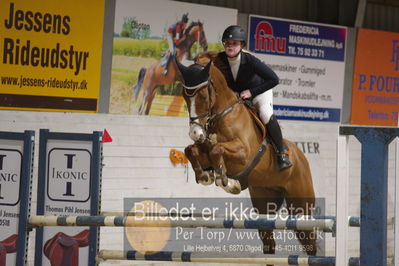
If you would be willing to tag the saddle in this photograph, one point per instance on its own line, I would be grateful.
(63, 250)
(8, 245)
(165, 58)
(255, 115)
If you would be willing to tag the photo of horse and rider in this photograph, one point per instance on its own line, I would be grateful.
(144, 78)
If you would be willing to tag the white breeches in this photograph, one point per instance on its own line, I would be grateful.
(170, 43)
(264, 103)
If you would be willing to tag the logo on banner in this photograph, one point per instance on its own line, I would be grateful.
(395, 54)
(10, 176)
(265, 41)
(69, 175)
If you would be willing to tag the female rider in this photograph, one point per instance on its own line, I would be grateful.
(251, 78)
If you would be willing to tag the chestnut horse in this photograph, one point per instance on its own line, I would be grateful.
(230, 139)
(150, 79)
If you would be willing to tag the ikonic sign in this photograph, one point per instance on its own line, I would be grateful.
(10, 176)
(15, 177)
(68, 185)
(68, 174)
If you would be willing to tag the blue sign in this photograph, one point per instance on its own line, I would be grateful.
(307, 113)
(296, 39)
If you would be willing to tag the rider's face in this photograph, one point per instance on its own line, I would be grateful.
(232, 48)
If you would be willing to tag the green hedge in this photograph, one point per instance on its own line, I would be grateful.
(142, 48)
(148, 47)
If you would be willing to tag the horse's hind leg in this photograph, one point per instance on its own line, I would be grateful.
(304, 206)
(267, 201)
(143, 103)
(148, 95)
(150, 98)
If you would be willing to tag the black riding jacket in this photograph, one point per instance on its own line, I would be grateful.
(252, 74)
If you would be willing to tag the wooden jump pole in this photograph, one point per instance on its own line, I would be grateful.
(326, 225)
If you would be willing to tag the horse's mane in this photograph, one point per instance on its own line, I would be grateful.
(203, 59)
(192, 24)
(218, 75)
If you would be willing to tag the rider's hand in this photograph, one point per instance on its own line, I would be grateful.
(245, 94)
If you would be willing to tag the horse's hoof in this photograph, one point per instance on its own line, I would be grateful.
(235, 191)
(204, 179)
(233, 186)
(232, 190)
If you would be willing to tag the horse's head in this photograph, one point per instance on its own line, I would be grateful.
(198, 96)
(195, 32)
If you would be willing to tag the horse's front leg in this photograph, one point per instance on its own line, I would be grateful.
(199, 160)
(216, 156)
(234, 151)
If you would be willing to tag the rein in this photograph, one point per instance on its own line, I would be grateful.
(213, 119)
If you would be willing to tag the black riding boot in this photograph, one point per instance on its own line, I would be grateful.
(275, 135)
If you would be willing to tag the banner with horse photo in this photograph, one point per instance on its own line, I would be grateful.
(148, 36)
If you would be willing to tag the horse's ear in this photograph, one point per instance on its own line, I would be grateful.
(203, 58)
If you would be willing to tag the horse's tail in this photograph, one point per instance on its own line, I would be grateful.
(140, 79)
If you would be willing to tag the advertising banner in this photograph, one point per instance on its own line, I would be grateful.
(223, 227)
(309, 59)
(50, 54)
(148, 35)
(16, 162)
(69, 185)
(375, 91)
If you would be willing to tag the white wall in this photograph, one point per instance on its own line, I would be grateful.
(136, 163)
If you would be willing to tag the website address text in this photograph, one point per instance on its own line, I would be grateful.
(44, 83)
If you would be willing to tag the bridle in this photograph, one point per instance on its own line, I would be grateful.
(195, 90)
(212, 118)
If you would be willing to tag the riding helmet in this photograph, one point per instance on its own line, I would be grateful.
(234, 33)
(184, 18)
